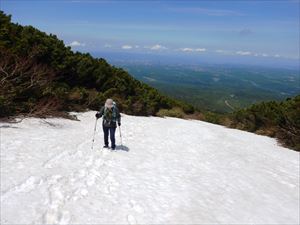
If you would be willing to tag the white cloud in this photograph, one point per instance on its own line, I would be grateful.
(76, 44)
(246, 53)
(200, 49)
(157, 47)
(243, 53)
(193, 49)
(126, 47)
(261, 54)
(130, 46)
(186, 49)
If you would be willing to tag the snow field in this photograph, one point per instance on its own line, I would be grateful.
(168, 171)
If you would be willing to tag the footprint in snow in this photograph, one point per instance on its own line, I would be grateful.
(84, 192)
(80, 193)
(89, 162)
(81, 173)
(26, 186)
(53, 216)
(91, 180)
(131, 219)
(64, 217)
(111, 181)
(20, 165)
(136, 207)
(99, 163)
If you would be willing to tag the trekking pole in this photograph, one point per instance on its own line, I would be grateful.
(120, 136)
(94, 134)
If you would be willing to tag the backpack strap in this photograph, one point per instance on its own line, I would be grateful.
(114, 114)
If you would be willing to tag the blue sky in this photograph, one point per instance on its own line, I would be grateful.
(252, 30)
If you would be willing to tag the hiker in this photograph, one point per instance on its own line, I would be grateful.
(111, 116)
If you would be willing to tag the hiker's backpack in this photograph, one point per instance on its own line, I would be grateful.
(110, 115)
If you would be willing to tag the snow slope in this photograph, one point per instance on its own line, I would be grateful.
(168, 171)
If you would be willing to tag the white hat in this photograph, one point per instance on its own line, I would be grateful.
(109, 103)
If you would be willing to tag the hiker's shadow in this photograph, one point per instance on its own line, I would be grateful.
(122, 148)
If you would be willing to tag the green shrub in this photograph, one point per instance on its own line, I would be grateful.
(96, 100)
(78, 95)
(212, 117)
(275, 119)
(5, 109)
(174, 112)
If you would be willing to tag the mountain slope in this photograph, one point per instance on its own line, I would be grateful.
(168, 171)
(275, 119)
(40, 76)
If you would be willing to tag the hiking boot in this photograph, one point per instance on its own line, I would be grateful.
(105, 146)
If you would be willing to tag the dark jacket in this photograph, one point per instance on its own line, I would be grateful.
(115, 118)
